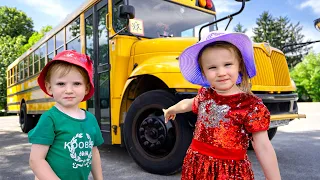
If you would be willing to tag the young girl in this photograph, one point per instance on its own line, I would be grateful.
(228, 112)
(65, 140)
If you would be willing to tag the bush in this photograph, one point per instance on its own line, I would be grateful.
(306, 75)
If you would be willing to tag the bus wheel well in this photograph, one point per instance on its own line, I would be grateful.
(22, 102)
(138, 86)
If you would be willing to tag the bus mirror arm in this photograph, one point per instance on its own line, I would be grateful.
(298, 45)
(126, 12)
(229, 16)
(126, 27)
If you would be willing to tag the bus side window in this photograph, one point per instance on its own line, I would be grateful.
(30, 64)
(36, 61)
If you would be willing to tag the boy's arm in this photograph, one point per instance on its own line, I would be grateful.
(266, 155)
(96, 169)
(38, 163)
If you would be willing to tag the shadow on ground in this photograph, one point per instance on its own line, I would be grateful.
(298, 157)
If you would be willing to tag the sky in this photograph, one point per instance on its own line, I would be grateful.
(52, 12)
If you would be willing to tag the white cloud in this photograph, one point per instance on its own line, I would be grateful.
(250, 30)
(313, 4)
(312, 34)
(53, 8)
(223, 6)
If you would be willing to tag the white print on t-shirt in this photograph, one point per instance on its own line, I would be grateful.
(84, 157)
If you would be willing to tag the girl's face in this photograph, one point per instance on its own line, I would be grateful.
(221, 69)
(69, 90)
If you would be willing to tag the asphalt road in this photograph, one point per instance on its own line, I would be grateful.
(297, 146)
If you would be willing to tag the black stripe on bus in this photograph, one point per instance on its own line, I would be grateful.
(43, 100)
(24, 91)
(36, 112)
(14, 103)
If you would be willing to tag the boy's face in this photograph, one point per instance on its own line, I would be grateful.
(221, 68)
(69, 90)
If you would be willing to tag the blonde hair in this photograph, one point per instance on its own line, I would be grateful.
(245, 83)
(63, 68)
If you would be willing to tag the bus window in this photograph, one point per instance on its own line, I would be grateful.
(89, 36)
(50, 56)
(50, 45)
(169, 19)
(20, 77)
(30, 57)
(26, 66)
(74, 44)
(73, 35)
(36, 61)
(118, 23)
(15, 74)
(103, 37)
(42, 51)
(73, 30)
(60, 41)
(11, 76)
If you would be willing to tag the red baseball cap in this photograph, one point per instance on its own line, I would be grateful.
(72, 57)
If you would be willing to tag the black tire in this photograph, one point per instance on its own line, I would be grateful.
(271, 133)
(27, 122)
(156, 147)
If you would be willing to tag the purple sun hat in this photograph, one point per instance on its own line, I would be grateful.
(188, 60)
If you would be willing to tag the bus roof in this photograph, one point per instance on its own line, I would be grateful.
(49, 34)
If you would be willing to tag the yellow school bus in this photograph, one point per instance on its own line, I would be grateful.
(135, 46)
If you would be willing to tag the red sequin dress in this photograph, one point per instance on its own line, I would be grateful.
(224, 123)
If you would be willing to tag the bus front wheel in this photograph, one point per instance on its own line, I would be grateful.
(27, 122)
(156, 146)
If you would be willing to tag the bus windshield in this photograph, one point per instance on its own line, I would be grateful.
(166, 19)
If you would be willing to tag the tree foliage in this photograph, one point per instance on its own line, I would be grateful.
(16, 36)
(280, 32)
(239, 28)
(8, 53)
(15, 23)
(306, 75)
(36, 36)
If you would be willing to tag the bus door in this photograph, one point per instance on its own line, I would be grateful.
(97, 48)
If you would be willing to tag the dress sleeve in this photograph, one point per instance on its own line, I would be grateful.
(258, 118)
(43, 133)
(197, 99)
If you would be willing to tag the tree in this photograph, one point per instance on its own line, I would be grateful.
(15, 23)
(306, 75)
(279, 32)
(239, 28)
(36, 36)
(8, 53)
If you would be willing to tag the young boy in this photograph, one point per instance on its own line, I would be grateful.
(65, 140)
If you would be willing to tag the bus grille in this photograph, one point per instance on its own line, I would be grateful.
(271, 71)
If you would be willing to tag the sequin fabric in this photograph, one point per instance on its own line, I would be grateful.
(225, 122)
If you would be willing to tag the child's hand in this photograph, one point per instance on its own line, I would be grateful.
(168, 114)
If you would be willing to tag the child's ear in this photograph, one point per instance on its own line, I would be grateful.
(48, 88)
(87, 88)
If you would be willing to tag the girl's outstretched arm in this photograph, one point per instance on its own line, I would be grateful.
(266, 155)
(38, 163)
(183, 106)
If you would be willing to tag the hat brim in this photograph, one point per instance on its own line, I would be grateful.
(190, 67)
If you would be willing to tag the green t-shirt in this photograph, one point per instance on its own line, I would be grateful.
(70, 140)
